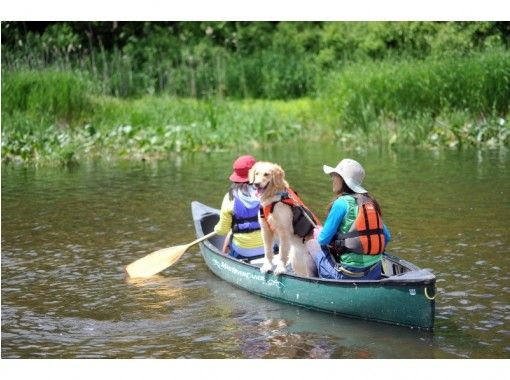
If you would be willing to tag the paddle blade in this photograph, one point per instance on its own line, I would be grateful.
(155, 262)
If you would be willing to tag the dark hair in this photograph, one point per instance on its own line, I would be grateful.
(346, 190)
(238, 186)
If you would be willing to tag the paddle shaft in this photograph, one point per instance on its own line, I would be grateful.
(205, 237)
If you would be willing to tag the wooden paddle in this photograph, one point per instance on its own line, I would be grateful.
(155, 262)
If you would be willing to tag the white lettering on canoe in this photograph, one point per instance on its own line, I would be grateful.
(247, 275)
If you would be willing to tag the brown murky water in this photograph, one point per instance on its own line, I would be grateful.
(68, 233)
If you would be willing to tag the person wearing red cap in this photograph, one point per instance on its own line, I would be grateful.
(239, 214)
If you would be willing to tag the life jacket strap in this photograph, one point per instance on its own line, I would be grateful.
(352, 234)
(235, 219)
(236, 230)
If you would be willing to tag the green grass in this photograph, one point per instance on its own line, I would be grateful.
(155, 126)
(415, 93)
(61, 94)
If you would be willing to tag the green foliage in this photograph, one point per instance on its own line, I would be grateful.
(406, 89)
(460, 129)
(272, 60)
(153, 126)
(61, 94)
(355, 41)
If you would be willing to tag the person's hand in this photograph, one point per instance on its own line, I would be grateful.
(316, 231)
(226, 243)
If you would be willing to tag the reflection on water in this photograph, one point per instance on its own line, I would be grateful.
(67, 235)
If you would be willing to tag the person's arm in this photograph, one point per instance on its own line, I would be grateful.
(387, 235)
(332, 223)
(225, 223)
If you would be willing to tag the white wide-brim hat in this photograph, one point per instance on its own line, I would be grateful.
(352, 173)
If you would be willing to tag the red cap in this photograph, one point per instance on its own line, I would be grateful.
(241, 168)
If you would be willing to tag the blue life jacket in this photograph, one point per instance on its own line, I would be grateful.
(244, 219)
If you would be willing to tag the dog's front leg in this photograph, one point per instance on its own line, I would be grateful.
(268, 237)
(283, 253)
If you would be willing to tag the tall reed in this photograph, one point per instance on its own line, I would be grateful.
(395, 90)
(61, 95)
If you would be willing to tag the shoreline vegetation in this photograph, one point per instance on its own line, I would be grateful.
(69, 94)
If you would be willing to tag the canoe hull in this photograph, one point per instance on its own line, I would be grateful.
(408, 303)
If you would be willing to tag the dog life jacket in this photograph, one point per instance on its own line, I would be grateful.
(300, 222)
(365, 235)
(244, 219)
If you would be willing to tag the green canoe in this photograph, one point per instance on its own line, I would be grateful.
(404, 296)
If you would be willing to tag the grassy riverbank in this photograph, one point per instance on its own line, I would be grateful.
(61, 115)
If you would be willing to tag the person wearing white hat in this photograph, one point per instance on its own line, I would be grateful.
(351, 243)
(239, 214)
(351, 172)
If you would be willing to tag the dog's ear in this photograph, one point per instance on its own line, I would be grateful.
(251, 174)
(278, 177)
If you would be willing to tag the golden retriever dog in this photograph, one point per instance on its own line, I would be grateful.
(269, 181)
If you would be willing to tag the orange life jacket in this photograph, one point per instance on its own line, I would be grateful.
(366, 234)
(300, 222)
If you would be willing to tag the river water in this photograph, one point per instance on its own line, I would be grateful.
(67, 234)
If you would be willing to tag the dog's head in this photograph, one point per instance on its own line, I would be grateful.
(267, 178)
